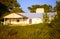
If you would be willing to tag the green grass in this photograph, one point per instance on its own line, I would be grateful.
(36, 31)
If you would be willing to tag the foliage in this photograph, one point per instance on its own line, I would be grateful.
(15, 10)
(58, 9)
(55, 24)
(45, 18)
(36, 31)
(10, 3)
(55, 8)
(46, 7)
(3, 9)
(7, 6)
(33, 8)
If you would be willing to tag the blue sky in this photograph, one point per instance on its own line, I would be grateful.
(26, 3)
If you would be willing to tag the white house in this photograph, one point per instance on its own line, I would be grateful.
(23, 18)
(26, 18)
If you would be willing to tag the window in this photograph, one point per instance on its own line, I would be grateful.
(18, 20)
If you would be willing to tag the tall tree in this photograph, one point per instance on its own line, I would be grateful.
(3, 9)
(58, 9)
(55, 24)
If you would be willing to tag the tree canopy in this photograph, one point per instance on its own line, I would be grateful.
(47, 8)
(7, 6)
(10, 3)
(3, 9)
(16, 10)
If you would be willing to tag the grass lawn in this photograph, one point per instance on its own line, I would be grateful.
(36, 31)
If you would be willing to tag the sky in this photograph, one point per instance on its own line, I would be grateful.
(28, 3)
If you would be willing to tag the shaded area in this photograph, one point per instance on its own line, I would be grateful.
(3, 9)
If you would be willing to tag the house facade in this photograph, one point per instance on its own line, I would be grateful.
(26, 18)
(14, 19)
(22, 18)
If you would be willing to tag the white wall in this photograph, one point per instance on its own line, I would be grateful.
(14, 21)
(20, 22)
(40, 10)
(24, 22)
(37, 20)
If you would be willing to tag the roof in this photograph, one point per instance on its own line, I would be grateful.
(36, 15)
(28, 15)
(32, 15)
(14, 15)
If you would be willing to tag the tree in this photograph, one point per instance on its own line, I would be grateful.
(58, 9)
(33, 8)
(55, 24)
(15, 10)
(45, 18)
(7, 6)
(55, 9)
(3, 9)
(47, 8)
(10, 3)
